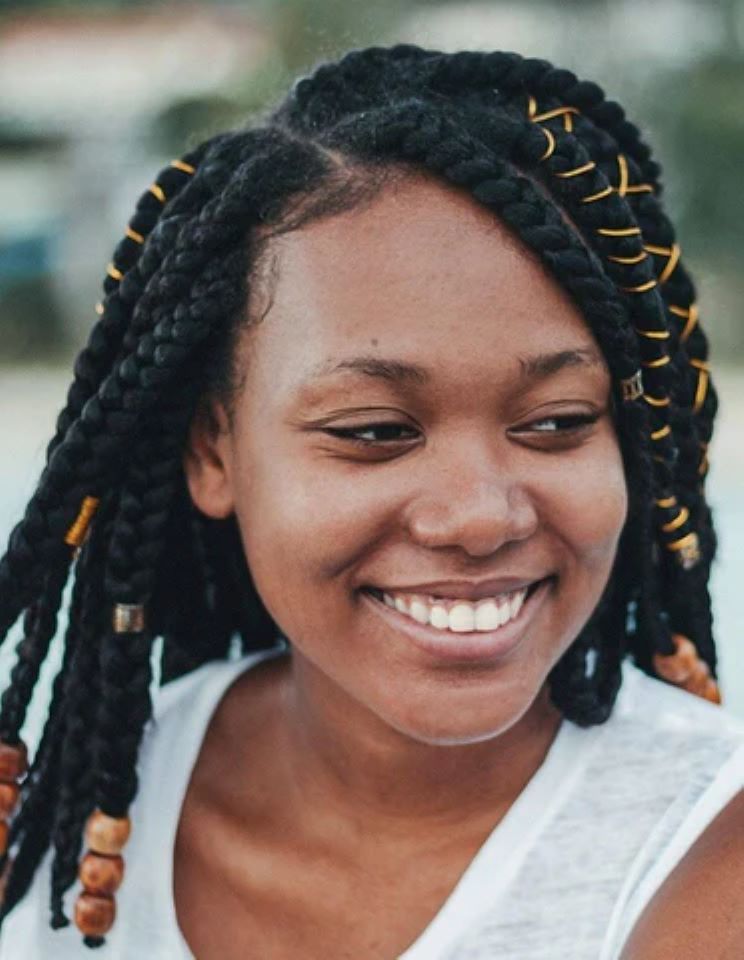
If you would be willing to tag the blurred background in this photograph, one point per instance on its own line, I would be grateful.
(95, 96)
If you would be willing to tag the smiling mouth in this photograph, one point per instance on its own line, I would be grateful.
(458, 616)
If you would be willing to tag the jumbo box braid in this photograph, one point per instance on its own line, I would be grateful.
(554, 160)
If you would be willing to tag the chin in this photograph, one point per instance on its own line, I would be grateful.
(464, 719)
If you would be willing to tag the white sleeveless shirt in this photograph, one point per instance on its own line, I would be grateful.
(564, 876)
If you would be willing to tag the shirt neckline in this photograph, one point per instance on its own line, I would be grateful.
(489, 873)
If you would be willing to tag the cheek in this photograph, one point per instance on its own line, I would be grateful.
(591, 505)
(304, 526)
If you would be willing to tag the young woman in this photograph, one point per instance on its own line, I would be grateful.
(392, 434)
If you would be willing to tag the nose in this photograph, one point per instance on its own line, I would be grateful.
(473, 501)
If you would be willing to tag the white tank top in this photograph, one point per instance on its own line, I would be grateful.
(563, 876)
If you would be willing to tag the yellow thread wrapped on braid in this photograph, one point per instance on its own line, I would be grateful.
(685, 546)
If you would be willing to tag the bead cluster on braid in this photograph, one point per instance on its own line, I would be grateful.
(569, 175)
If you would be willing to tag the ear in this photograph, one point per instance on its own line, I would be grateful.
(207, 461)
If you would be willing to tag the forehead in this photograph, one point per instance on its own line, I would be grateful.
(422, 273)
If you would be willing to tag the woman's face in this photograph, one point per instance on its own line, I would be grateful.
(422, 462)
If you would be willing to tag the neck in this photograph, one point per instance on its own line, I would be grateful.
(341, 755)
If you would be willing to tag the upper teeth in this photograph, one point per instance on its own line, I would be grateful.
(460, 616)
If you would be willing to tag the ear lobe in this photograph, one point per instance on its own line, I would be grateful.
(206, 462)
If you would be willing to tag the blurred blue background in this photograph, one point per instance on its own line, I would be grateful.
(95, 96)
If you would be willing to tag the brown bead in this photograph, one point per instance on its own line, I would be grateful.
(697, 682)
(13, 760)
(712, 691)
(101, 875)
(104, 834)
(94, 915)
(4, 836)
(4, 877)
(678, 666)
(8, 799)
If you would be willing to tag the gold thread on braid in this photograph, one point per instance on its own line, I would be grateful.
(632, 387)
(157, 191)
(619, 231)
(550, 149)
(642, 287)
(76, 534)
(673, 254)
(656, 401)
(700, 364)
(661, 432)
(113, 272)
(99, 308)
(600, 195)
(701, 390)
(691, 323)
(552, 114)
(704, 464)
(133, 235)
(531, 107)
(577, 171)
(639, 188)
(666, 502)
(653, 364)
(687, 549)
(691, 316)
(182, 165)
(653, 334)
(622, 163)
(636, 258)
(679, 521)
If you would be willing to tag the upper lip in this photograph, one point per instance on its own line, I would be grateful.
(465, 589)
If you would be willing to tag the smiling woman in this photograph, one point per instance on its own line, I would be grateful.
(393, 428)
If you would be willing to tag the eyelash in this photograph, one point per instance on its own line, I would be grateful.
(565, 425)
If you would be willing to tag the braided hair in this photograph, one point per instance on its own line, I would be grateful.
(568, 174)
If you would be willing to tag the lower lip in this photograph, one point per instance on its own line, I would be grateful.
(451, 647)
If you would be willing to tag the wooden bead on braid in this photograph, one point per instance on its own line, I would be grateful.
(9, 793)
(685, 668)
(13, 766)
(94, 914)
(13, 760)
(101, 873)
(107, 835)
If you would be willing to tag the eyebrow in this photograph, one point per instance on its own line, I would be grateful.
(543, 365)
(394, 371)
(536, 367)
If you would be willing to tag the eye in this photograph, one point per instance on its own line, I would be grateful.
(558, 431)
(375, 433)
(561, 424)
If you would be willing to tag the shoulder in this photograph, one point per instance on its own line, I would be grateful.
(693, 753)
(697, 911)
(182, 711)
(662, 748)
(672, 723)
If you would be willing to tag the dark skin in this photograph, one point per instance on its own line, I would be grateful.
(697, 913)
(421, 403)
